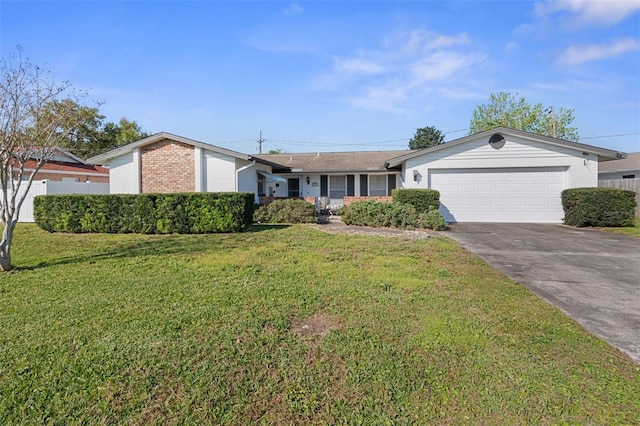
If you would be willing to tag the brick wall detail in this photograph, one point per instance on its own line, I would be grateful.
(167, 166)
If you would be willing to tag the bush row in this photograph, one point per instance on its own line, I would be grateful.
(397, 215)
(599, 207)
(422, 199)
(286, 211)
(183, 213)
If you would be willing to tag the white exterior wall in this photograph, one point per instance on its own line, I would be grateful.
(219, 172)
(248, 177)
(124, 174)
(582, 170)
(48, 187)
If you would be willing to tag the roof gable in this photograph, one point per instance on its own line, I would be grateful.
(110, 155)
(602, 153)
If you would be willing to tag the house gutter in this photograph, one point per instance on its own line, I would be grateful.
(241, 169)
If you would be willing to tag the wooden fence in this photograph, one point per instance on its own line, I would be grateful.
(630, 184)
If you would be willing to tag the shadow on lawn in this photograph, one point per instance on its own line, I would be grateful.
(151, 244)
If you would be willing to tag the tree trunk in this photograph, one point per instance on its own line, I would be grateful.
(5, 248)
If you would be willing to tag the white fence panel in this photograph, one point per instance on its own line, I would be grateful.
(56, 187)
(48, 187)
(26, 212)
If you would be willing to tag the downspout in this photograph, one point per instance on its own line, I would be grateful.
(248, 166)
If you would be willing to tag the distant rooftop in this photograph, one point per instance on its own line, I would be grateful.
(332, 162)
(632, 162)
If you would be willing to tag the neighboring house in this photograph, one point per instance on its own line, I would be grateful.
(625, 168)
(64, 166)
(63, 173)
(499, 175)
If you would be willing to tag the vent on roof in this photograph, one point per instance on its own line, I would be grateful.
(496, 141)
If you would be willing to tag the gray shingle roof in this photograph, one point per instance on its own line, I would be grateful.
(632, 162)
(333, 162)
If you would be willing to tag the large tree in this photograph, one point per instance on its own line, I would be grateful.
(510, 110)
(30, 131)
(426, 137)
(89, 135)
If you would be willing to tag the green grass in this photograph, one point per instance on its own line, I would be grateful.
(633, 231)
(289, 325)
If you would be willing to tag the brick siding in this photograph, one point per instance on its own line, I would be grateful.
(167, 166)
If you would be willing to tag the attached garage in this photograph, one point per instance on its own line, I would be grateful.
(503, 175)
(501, 195)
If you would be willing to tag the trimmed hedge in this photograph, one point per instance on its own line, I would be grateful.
(286, 211)
(599, 207)
(397, 215)
(182, 213)
(422, 199)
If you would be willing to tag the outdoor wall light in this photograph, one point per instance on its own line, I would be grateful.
(308, 180)
(416, 175)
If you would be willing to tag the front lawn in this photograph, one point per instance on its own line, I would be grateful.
(634, 231)
(290, 325)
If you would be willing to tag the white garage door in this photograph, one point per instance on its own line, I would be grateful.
(525, 195)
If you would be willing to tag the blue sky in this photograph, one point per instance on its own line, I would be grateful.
(337, 76)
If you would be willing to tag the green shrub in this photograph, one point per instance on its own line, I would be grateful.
(185, 213)
(433, 219)
(599, 207)
(421, 199)
(403, 216)
(366, 213)
(398, 215)
(286, 211)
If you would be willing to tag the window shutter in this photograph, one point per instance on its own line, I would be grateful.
(351, 185)
(364, 185)
(392, 183)
(324, 185)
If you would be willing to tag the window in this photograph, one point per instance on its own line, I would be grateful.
(337, 186)
(377, 185)
(628, 176)
(293, 185)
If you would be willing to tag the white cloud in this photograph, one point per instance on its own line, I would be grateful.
(402, 70)
(576, 55)
(358, 66)
(293, 9)
(511, 46)
(590, 11)
(424, 41)
(381, 98)
(440, 65)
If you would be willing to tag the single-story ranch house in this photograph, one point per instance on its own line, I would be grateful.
(498, 175)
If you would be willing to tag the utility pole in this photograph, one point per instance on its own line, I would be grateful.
(260, 140)
(551, 110)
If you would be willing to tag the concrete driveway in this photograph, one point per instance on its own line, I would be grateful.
(593, 276)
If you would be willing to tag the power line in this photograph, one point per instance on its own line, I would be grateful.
(611, 136)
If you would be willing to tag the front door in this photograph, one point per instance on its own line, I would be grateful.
(293, 185)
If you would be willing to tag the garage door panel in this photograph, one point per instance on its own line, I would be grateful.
(501, 195)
